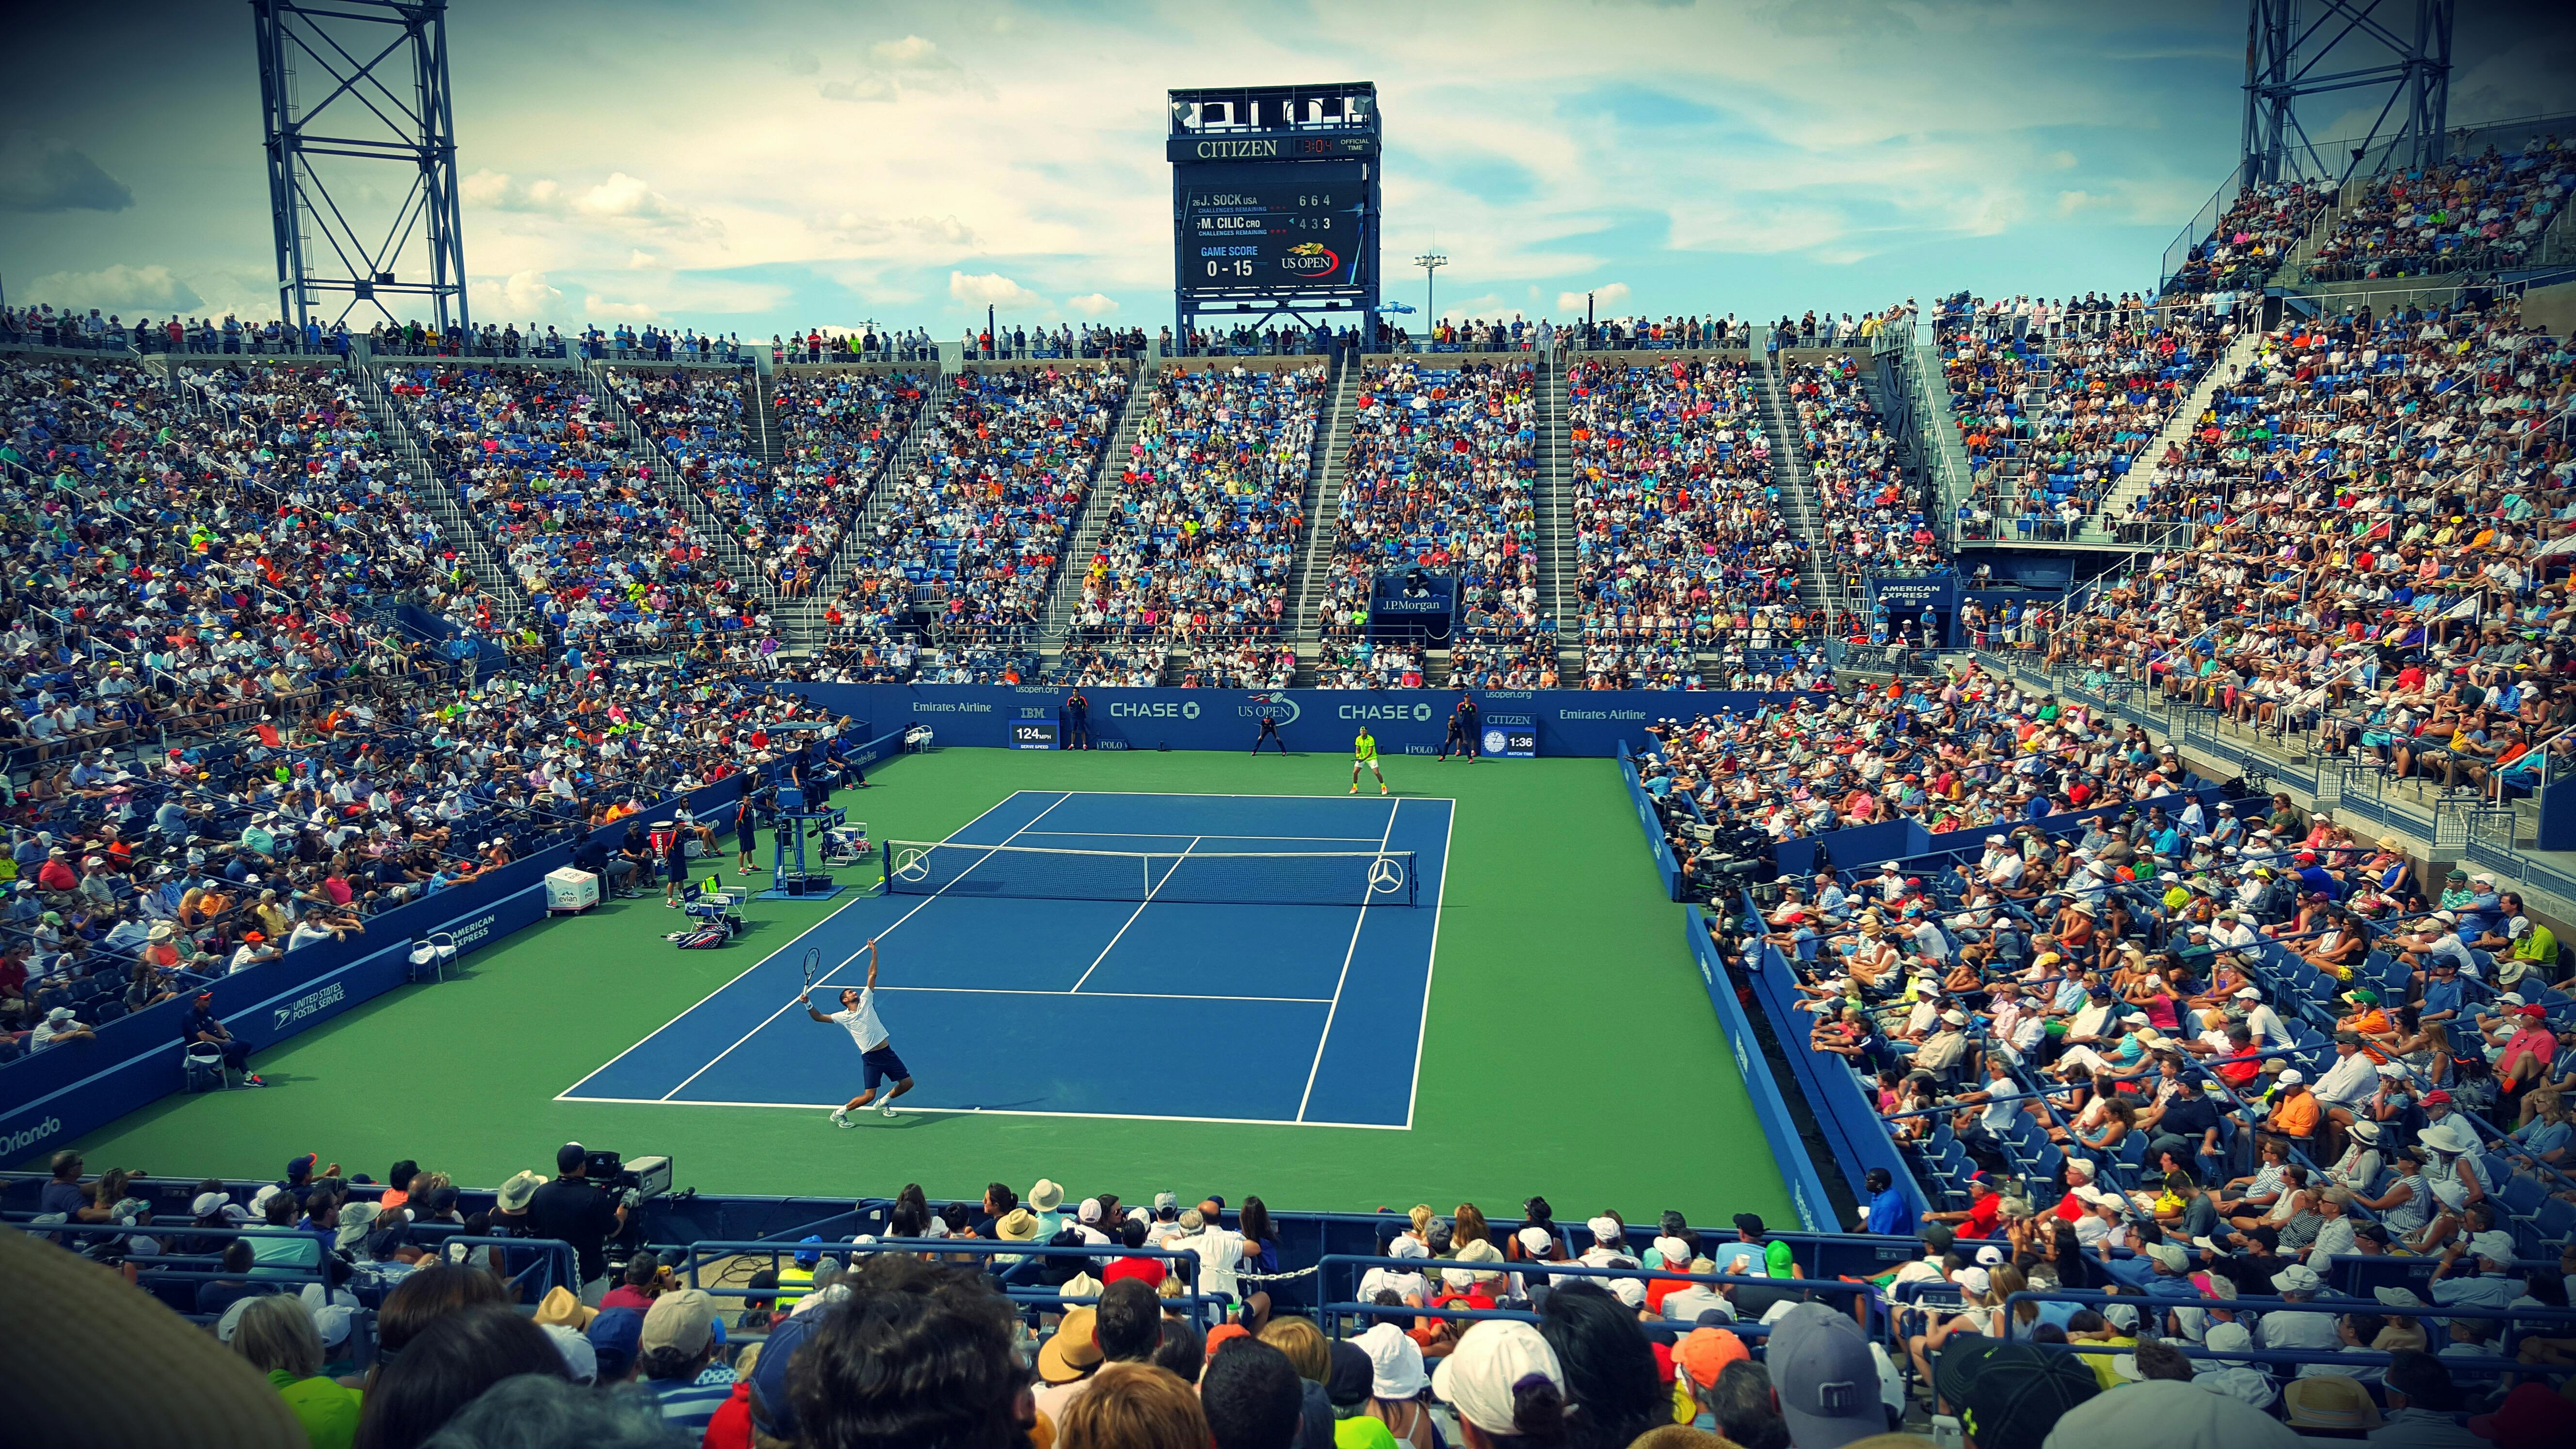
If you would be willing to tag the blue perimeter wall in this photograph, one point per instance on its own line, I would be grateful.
(1806, 1189)
(51, 1098)
(1582, 722)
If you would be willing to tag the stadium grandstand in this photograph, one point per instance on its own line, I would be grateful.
(595, 878)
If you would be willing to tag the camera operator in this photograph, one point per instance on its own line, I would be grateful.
(582, 1213)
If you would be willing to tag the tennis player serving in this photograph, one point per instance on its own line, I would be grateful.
(858, 1016)
(1364, 752)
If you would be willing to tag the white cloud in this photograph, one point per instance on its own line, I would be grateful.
(1607, 295)
(530, 295)
(621, 198)
(118, 289)
(608, 311)
(991, 289)
(641, 260)
(911, 53)
(1092, 304)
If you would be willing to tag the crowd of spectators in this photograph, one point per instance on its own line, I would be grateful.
(1872, 516)
(1090, 340)
(1205, 525)
(2377, 574)
(967, 550)
(868, 344)
(2473, 213)
(609, 563)
(1679, 540)
(2054, 401)
(1439, 477)
(2255, 235)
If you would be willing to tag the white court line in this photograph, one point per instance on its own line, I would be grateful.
(826, 977)
(1347, 952)
(1011, 1112)
(1432, 966)
(1106, 995)
(765, 960)
(1131, 919)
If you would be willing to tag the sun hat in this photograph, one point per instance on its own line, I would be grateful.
(1395, 1362)
(1073, 1351)
(1482, 1376)
(1046, 1197)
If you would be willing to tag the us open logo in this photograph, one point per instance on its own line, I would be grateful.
(1282, 711)
(1311, 259)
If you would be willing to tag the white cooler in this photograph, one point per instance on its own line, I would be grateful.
(571, 890)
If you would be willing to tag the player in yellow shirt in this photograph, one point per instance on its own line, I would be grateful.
(1364, 752)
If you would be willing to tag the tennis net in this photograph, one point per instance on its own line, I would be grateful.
(1318, 878)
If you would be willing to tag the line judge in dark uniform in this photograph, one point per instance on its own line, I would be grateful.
(1462, 729)
(1077, 719)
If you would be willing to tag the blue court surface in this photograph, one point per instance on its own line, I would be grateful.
(1096, 1008)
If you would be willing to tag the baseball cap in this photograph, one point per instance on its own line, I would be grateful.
(614, 1336)
(1492, 1357)
(1704, 1353)
(2292, 1076)
(683, 1319)
(2016, 1394)
(769, 1402)
(2298, 1278)
(1824, 1376)
(1348, 1380)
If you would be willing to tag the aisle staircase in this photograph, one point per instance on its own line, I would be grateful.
(1323, 507)
(801, 622)
(1101, 503)
(2147, 469)
(457, 529)
(714, 533)
(1559, 583)
(1798, 502)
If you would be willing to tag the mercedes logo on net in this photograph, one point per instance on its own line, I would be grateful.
(1386, 874)
(912, 865)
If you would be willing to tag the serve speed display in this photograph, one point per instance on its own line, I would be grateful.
(1033, 734)
(1247, 228)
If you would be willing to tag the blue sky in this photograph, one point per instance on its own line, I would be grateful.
(756, 168)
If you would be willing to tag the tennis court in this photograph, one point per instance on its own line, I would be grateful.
(1118, 944)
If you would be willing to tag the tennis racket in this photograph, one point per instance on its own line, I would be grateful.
(813, 963)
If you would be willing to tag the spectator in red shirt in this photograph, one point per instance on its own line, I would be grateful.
(57, 874)
(1148, 1271)
(1979, 1219)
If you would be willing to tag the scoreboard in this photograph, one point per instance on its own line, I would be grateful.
(1247, 228)
(1275, 206)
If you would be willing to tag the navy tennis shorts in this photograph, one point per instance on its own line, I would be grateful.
(882, 1066)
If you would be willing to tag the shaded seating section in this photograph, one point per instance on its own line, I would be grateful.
(1678, 535)
(954, 580)
(1438, 477)
(2486, 212)
(1205, 531)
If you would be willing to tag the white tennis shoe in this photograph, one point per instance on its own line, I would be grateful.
(888, 1108)
(841, 1117)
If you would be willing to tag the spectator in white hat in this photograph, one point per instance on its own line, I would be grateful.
(1504, 1382)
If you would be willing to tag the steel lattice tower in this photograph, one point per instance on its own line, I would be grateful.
(362, 86)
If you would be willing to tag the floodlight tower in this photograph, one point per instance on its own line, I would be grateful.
(2295, 49)
(360, 86)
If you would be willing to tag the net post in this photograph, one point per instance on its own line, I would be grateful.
(885, 866)
(1412, 880)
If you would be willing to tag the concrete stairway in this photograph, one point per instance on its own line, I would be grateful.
(714, 533)
(1100, 505)
(1559, 583)
(1798, 502)
(456, 526)
(767, 442)
(2147, 470)
(800, 622)
(1322, 510)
